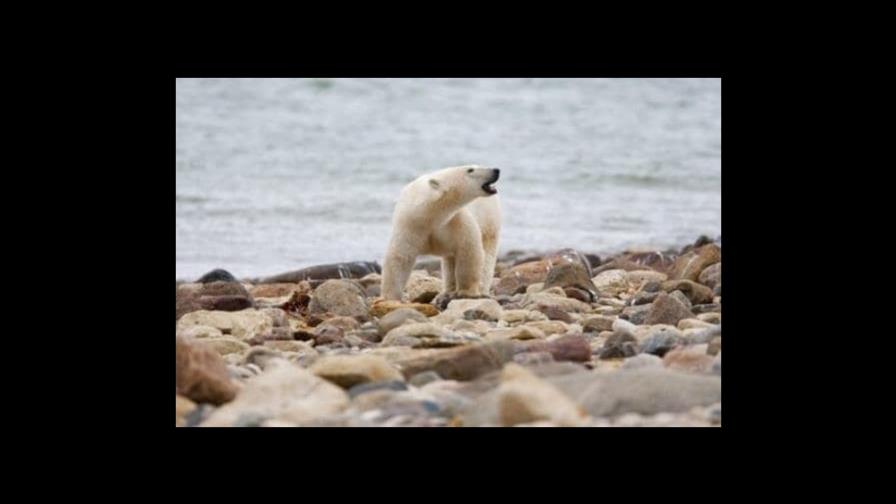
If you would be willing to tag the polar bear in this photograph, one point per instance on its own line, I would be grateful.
(452, 213)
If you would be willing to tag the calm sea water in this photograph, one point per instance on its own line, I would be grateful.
(278, 174)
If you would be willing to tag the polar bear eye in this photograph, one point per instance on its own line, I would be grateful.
(470, 170)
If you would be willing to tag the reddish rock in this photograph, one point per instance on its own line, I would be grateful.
(690, 265)
(201, 374)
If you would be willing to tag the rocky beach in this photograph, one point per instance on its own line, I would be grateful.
(564, 339)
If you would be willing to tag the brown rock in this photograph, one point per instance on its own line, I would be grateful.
(349, 370)
(461, 363)
(554, 313)
(696, 293)
(382, 307)
(276, 290)
(201, 374)
(340, 297)
(692, 359)
(222, 296)
(571, 347)
(325, 334)
(667, 310)
(573, 275)
(690, 265)
(182, 408)
(711, 276)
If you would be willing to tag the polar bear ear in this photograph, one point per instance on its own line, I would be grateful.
(434, 183)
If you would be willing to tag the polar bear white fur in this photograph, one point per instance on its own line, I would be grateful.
(452, 213)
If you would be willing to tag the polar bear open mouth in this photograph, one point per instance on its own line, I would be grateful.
(489, 187)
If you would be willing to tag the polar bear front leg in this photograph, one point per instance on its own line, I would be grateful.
(396, 271)
(448, 275)
(469, 261)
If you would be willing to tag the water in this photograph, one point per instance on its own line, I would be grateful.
(279, 174)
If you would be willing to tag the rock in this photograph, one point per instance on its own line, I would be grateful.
(544, 300)
(690, 265)
(278, 316)
(715, 346)
(571, 275)
(411, 333)
(696, 293)
(276, 334)
(681, 298)
(661, 341)
(200, 373)
(533, 358)
(519, 316)
(363, 388)
(475, 326)
(598, 323)
(489, 308)
(548, 327)
(644, 277)
(711, 318)
(372, 284)
(243, 325)
(283, 392)
(651, 287)
(422, 288)
(517, 278)
(611, 283)
(182, 408)
(536, 287)
(554, 313)
(340, 297)
(223, 296)
(262, 357)
(658, 261)
(315, 274)
(278, 290)
(225, 303)
(579, 294)
(216, 275)
(693, 323)
(382, 307)
(421, 379)
(641, 361)
(463, 363)
(645, 390)
(223, 345)
(707, 308)
(478, 315)
(199, 331)
(619, 345)
(326, 334)
(667, 310)
(570, 347)
(692, 359)
(717, 292)
(518, 333)
(345, 323)
(290, 346)
(643, 298)
(711, 275)
(398, 317)
(637, 314)
(523, 397)
(705, 335)
(717, 364)
(624, 326)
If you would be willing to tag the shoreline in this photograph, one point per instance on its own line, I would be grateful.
(319, 347)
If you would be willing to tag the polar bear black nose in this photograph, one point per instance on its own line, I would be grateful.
(497, 173)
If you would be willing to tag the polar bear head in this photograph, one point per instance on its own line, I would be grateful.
(462, 184)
